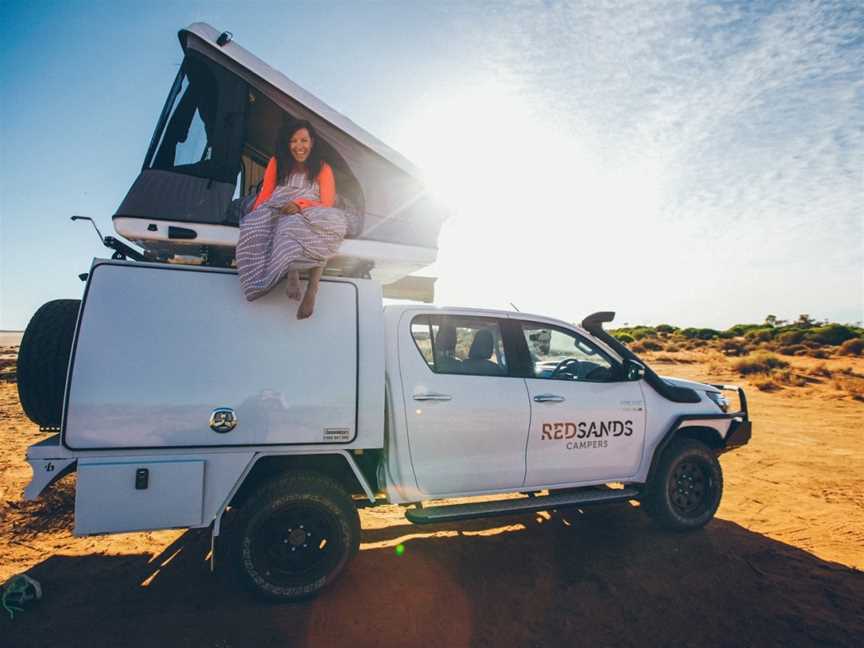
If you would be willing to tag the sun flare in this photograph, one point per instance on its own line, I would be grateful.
(529, 197)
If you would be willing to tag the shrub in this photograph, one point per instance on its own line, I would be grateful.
(760, 362)
(634, 332)
(766, 384)
(639, 332)
(855, 346)
(666, 328)
(673, 348)
(792, 349)
(733, 348)
(760, 335)
(818, 353)
(651, 345)
(790, 337)
(739, 330)
(622, 337)
(833, 334)
(700, 333)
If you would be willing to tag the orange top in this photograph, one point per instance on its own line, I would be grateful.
(326, 186)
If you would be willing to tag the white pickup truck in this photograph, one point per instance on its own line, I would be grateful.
(183, 400)
(175, 400)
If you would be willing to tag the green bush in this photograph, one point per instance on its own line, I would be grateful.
(833, 334)
(763, 334)
(666, 328)
(622, 337)
(640, 332)
(740, 330)
(790, 337)
(700, 333)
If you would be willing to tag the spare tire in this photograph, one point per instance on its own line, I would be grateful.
(43, 361)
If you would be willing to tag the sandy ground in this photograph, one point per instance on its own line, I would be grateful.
(780, 564)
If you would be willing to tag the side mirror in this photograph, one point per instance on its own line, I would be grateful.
(633, 370)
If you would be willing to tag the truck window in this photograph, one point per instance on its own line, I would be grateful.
(460, 345)
(561, 355)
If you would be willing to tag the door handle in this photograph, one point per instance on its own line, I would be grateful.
(548, 398)
(432, 397)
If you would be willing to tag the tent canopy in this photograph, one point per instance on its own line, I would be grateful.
(397, 207)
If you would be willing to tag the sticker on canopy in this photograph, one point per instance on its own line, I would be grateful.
(337, 434)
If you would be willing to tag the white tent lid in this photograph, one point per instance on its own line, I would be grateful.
(398, 207)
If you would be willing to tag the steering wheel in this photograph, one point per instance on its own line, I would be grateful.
(568, 367)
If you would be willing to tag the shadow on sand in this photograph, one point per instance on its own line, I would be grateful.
(601, 578)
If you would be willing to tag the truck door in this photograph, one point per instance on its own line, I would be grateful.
(467, 415)
(585, 424)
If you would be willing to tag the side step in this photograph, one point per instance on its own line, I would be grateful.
(521, 505)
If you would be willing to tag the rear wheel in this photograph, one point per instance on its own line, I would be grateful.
(295, 536)
(685, 491)
(43, 361)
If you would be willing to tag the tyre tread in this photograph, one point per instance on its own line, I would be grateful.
(43, 361)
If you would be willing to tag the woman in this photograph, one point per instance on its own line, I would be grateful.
(293, 224)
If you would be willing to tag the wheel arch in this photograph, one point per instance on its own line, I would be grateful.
(690, 426)
(339, 465)
(702, 433)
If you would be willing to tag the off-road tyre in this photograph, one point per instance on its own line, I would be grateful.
(43, 361)
(686, 487)
(276, 540)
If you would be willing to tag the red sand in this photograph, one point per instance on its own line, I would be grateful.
(778, 566)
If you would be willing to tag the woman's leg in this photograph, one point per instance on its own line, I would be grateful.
(294, 285)
(307, 306)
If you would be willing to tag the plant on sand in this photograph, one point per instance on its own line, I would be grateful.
(855, 346)
(760, 362)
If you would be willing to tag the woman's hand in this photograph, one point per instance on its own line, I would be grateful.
(290, 208)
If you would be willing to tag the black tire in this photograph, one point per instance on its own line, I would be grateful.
(685, 490)
(43, 361)
(294, 536)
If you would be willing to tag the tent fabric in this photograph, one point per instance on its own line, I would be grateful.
(397, 207)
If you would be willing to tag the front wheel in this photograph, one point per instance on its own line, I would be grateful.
(685, 491)
(295, 536)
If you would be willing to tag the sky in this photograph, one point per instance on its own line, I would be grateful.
(698, 163)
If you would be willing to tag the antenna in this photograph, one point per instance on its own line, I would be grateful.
(515, 307)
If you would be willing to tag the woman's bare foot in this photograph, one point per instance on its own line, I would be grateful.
(308, 303)
(307, 306)
(294, 285)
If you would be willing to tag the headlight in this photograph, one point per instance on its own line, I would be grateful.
(719, 399)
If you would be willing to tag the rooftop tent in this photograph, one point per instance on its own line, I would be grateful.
(218, 130)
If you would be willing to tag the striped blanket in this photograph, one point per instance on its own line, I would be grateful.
(272, 243)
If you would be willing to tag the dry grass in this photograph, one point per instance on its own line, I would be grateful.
(759, 362)
(820, 370)
(646, 344)
(855, 346)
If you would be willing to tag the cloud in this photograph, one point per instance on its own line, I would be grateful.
(750, 118)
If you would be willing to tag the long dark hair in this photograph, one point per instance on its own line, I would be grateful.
(284, 159)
